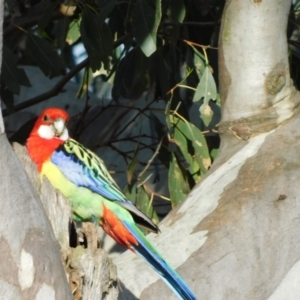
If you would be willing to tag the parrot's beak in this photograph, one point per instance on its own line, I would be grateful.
(59, 126)
(60, 129)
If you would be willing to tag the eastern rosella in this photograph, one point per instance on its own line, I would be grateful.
(82, 177)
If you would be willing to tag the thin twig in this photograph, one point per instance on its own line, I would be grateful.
(151, 159)
(202, 24)
(150, 202)
(154, 193)
(130, 138)
(135, 117)
(189, 71)
(201, 46)
(144, 181)
(145, 146)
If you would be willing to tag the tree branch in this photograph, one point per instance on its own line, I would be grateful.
(57, 87)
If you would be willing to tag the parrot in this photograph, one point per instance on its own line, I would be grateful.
(82, 177)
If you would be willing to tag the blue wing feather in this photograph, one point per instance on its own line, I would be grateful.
(84, 168)
(77, 172)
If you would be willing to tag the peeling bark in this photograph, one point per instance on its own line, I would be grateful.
(236, 234)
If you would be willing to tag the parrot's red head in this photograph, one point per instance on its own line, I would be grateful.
(48, 133)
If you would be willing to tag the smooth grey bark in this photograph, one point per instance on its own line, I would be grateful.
(2, 130)
(90, 272)
(236, 234)
(254, 57)
(30, 263)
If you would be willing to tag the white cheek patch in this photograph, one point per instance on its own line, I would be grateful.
(46, 132)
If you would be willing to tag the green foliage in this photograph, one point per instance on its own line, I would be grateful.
(193, 151)
(12, 76)
(177, 10)
(47, 15)
(86, 80)
(214, 153)
(206, 88)
(178, 181)
(145, 23)
(132, 165)
(96, 37)
(74, 31)
(137, 192)
(158, 47)
(45, 56)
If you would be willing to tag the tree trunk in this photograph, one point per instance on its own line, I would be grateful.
(30, 262)
(237, 234)
(89, 270)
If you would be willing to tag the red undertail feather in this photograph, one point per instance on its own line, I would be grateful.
(114, 227)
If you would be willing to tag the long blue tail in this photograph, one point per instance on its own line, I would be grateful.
(153, 257)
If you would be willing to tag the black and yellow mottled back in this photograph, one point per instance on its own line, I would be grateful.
(84, 168)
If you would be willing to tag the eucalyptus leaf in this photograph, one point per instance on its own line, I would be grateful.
(141, 199)
(131, 78)
(207, 90)
(130, 191)
(74, 32)
(199, 63)
(45, 56)
(183, 142)
(106, 8)
(143, 203)
(145, 22)
(190, 132)
(46, 17)
(92, 27)
(86, 80)
(206, 113)
(178, 185)
(97, 39)
(177, 10)
(198, 53)
(12, 76)
(60, 31)
(214, 153)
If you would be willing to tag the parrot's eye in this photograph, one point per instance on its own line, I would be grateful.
(46, 118)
